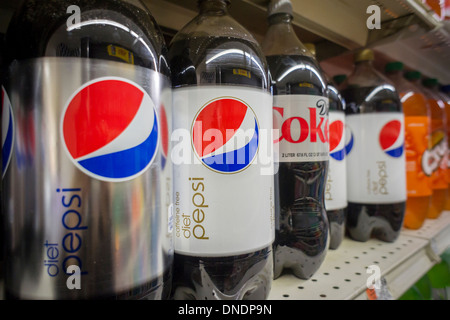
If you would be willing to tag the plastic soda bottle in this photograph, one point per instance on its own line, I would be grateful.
(417, 141)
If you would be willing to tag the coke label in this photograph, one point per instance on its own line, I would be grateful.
(301, 122)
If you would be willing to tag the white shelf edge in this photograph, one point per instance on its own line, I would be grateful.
(401, 263)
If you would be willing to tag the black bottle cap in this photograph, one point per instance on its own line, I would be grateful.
(279, 6)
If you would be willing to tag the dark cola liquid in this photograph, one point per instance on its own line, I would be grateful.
(40, 29)
(245, 276)
(301, 233)
(336, 218)
(382, 221)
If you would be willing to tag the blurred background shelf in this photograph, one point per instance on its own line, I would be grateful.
(344, 272)
(410, 31)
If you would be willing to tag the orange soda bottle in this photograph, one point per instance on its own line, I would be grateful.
(446, 99)
(417, 141)
(439, 148)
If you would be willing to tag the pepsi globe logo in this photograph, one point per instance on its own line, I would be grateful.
(7, 131)
(349, 140)
(110, 129)
(391, 139)
(225, 135)
(336, 131)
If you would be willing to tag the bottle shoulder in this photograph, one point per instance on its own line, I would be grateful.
(366, 76)
(297, 74)
(214, 25)
(367, 90)
(215, 49)
(101, 29)
(281, 39)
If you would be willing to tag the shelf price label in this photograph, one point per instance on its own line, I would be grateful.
(380, 291)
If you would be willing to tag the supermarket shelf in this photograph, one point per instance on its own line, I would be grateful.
(339, 21)
(437, 231)
(409, 31)
(343, 22)
(344, 273)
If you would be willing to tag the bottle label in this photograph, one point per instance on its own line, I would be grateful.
(417, 143)
(376, 170)
(7, 130)
(223, 170)
(335, 189)
(301, 128)
(434, 161)
(95, 134)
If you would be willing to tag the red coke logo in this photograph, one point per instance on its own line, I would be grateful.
(311, 127)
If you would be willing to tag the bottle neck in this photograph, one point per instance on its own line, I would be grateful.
(364, 65)
(280, 18)
(432, 88)
(415, 82)
(218, 7)
(396, 77)
(281, 37)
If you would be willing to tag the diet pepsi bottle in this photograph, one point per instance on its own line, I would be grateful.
(376, 169)
(336, 186)
(301, 116)
(88, 180)
(222, 156)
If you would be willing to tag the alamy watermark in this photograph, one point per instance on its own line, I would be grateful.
(74, 280)
(374, 280)
(75, 18)
(374, 20)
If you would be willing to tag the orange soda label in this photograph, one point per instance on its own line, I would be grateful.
(417, 144)
(447, 112)
(438, 152)
(436, 160)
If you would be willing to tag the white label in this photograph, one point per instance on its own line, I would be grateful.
(7, 123)
(223, 170)
(301, 122)
(375, 158)
(335, 189)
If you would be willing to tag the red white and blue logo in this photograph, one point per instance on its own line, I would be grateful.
(337, 143)
(349, 140)
(7, 130)
(391, 140)
(225, 135)
(110, 129)
(164, 129)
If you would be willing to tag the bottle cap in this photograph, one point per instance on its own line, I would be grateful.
(429, 82)
(413, 75)
(394, 66)
(364, 55)
(279, 6)
(311, 47)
